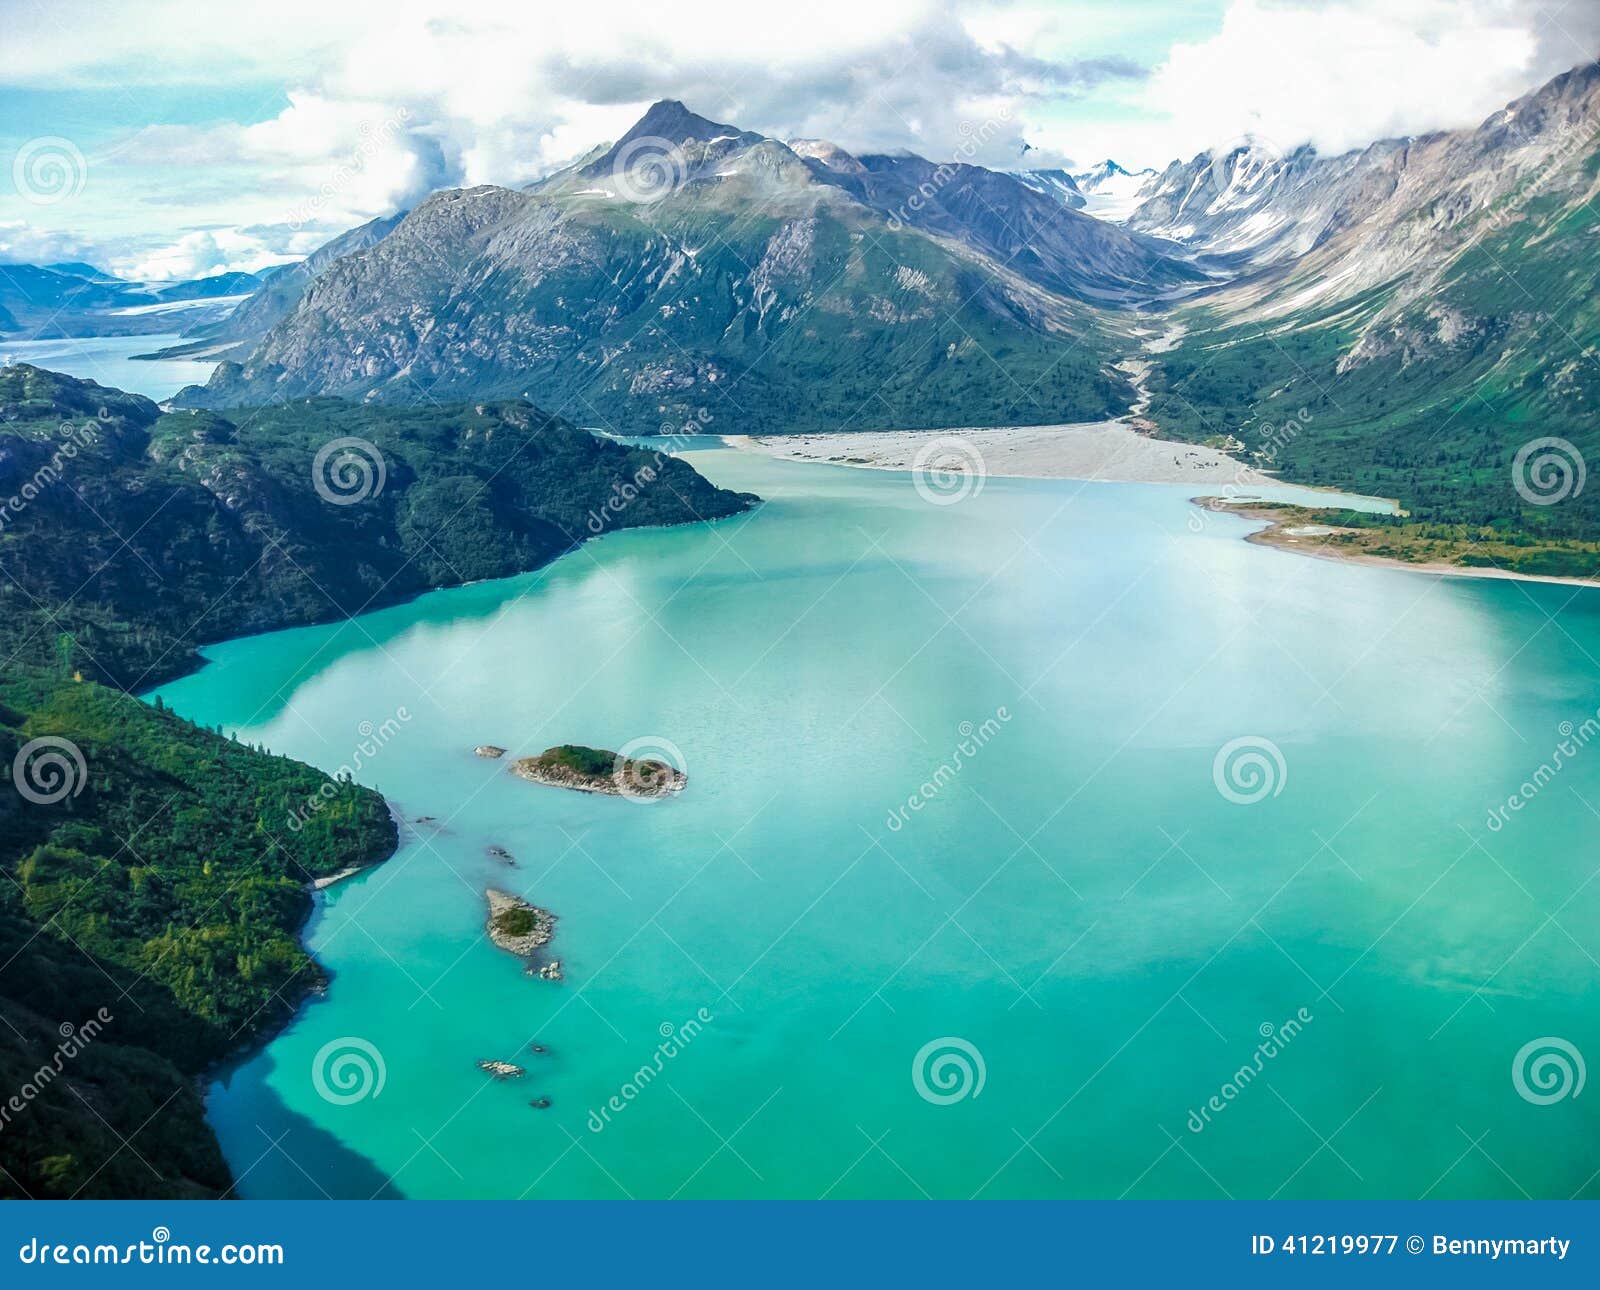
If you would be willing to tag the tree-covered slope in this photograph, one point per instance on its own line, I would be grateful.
(153, 875)
(148, 927)
(1427, 385)
(162, 532)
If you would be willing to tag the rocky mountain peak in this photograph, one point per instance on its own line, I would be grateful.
(671, 120)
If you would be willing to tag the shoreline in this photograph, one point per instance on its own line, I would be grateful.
(1278, 535)
(1096, 451)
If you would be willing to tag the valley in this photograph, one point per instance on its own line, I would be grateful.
(925, 533)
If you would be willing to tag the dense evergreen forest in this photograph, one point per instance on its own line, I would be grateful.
(153, 890)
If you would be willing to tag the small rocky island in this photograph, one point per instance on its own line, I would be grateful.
(595, 770)
(516, 926)
(490, 751)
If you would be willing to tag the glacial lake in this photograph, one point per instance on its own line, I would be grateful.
(109, 360)
(1075, 967)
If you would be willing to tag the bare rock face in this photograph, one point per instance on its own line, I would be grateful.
(637, 280)
(489, 750)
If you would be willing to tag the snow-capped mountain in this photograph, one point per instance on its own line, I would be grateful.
(1110, 191)
(1398, 206)
(641, 283)
(1053, 183)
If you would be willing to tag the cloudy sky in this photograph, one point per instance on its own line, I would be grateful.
(175, 138)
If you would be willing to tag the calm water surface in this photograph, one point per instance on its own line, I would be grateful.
(109, 360)
(1078, 903)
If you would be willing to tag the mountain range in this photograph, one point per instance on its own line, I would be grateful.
(696, 270)
(1430, 302)
(45, 302)
(695, 267)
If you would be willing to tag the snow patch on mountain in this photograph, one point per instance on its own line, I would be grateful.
(1112, 192)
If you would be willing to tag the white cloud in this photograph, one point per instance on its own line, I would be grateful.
(375, 103)
(1340, 75)
(22, 243)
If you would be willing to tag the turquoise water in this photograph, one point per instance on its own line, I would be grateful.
(109, 360)
(1104, 930)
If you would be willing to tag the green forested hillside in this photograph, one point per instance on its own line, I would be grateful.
(167, 891)
(166, 531)
(153, 887)
(1428, 397)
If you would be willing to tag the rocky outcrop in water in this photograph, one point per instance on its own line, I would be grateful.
(598, 770)
(516, 926)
